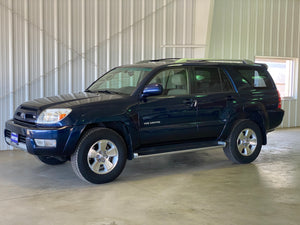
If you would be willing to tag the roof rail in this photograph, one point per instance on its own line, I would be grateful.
(166, 60)
(244, 61)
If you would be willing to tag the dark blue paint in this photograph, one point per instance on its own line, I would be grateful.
(145, 118)
(152, 89)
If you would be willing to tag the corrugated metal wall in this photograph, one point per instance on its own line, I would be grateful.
(50, 47)
(243, 29)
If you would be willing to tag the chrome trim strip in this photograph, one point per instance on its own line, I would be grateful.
(222, 143)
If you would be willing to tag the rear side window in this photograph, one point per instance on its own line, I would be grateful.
(210, 80)
(254, 79)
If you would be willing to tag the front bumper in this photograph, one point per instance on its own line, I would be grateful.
(66, 138)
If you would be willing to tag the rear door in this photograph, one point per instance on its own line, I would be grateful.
(216, 100)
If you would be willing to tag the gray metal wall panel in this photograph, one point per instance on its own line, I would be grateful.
(245, 29)
(60, 46)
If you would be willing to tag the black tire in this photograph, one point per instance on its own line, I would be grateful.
(51, 160)
(244, 143)
(100, 156)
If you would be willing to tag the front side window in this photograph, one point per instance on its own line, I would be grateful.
(174, 81)
(120, 80)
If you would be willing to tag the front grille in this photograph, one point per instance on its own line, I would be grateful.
(7, 133)
(25, 115)
(21, 138)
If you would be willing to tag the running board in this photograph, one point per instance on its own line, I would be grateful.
(179, 148)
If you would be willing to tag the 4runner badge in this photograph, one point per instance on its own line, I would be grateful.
(151, 123)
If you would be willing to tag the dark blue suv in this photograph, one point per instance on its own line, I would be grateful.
(151, 107)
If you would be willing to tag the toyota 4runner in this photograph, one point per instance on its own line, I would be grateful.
(151, 107)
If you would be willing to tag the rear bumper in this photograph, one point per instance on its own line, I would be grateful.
(275, 118)
(66, 138)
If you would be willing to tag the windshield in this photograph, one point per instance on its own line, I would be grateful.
(120, 80)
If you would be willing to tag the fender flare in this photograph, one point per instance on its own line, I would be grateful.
(253, 112)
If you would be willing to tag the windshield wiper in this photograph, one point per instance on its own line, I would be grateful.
(108, 92)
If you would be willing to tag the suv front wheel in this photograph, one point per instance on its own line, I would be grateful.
(100, 156)
(244, 143)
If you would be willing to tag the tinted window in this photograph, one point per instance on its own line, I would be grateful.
(226, 84)
(210, 80)
(173, 81)
(252, 78)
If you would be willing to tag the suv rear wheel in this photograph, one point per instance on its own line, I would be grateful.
(244, 143)
(100, 156)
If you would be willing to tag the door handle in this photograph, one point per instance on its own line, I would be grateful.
(191, 102)
(195, 103)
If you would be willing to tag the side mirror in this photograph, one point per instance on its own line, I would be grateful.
(152, 89)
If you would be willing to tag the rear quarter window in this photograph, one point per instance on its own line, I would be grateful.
(252, 78)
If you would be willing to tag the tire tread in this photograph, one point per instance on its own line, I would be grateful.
(75, 157)
(230, 148)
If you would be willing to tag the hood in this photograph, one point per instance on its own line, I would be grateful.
(68, 100)
(28, 112)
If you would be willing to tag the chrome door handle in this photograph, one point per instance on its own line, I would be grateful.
(191, 102)
(195, 103)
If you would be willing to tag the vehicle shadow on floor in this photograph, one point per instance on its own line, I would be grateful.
(31, 173)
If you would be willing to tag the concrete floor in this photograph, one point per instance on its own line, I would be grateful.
(187, 188)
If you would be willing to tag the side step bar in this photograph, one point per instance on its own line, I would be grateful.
(148, 152)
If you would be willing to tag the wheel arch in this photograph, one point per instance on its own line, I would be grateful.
(120, 127)
(255, 116)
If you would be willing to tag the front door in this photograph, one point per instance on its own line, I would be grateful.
(170, 117)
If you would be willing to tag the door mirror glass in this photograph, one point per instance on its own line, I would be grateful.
(152, 89)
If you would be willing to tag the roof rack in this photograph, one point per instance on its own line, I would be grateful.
(166, 60)
(244, 61)
(189, 60)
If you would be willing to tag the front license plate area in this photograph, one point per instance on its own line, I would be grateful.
(14, 138)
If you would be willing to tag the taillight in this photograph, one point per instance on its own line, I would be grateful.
(279, 100)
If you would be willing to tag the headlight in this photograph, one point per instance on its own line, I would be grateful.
(49, 116)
